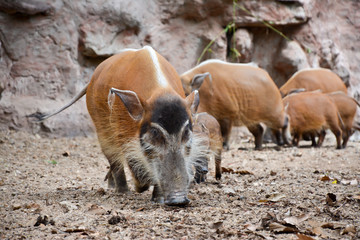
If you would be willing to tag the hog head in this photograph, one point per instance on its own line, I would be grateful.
(166, 144)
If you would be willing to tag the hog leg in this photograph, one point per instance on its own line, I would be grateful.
(157, 195)
(140, 176)
(338, 134)
(322, 135)
(225, 125)
(257, 130)
(296, 139)
(346, 135)
(218, 165)
(313, 140)
(116, 176)
(278, 137)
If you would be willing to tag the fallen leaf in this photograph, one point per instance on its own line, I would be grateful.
(354, 182)
(66, 154)
(241, 172)
(330, 199)
(227, 170)
(334, 225)
(325, 178)
(44, 220)
(97, 210)
(318, 231)
(273, 198)
(229, 191)
(251, 227)
(349, 229)
(217, 225)
(296, 220)
(280, 228)
(357, 196)
(303, 237)
(298, 154)
(116, 219)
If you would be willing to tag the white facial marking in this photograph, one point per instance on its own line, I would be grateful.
(159, 74)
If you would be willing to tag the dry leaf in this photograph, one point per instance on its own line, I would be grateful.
(334, 225)
(66, 154)
(330, 199)
(349, 229)
(251, 227)
(97, 210)
(227, 170)
(296, 220)
(217, 225)
(275, 197)
(241, 172)
(303, 237)
(325, 178)
(279, 228)
(357, 196)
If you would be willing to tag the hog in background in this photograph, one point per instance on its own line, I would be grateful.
(237, 95)
(208, 128)
(310, 113)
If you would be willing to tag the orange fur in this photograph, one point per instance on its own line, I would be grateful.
(347, 107)
(314, 79)
(238, 95)
(312, 112)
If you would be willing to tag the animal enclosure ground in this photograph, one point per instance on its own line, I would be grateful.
(55, 189)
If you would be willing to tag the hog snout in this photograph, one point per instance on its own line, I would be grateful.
(177, 199)
(202, 170)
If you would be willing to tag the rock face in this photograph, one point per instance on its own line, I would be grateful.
(49, 49)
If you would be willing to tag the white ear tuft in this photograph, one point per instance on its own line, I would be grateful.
(111, 99)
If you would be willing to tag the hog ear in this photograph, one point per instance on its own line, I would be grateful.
(130, 100)
(198, 80)
(192, 101)
(286, 107)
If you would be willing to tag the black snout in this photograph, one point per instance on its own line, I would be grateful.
(202, 170)
(177, 201)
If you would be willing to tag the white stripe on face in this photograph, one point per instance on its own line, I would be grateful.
(159, 74)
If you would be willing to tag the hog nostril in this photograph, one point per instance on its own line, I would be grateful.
(204, 171)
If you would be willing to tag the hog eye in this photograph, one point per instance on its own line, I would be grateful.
(156, 136)
(186, 135)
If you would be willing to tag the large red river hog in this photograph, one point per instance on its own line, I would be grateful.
(237, 95)
(144, 120)
(313, 79)
(311, 112)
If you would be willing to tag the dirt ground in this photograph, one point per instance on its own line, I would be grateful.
(55, 189)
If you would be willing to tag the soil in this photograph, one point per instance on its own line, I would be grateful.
(54, 189)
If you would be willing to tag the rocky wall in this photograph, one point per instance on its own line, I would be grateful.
(49, 49)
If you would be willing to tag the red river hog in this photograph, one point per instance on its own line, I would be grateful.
(347, 107)
(142, 119)
(314, 79)
(312, 112)
(236, 95)
(208, 128)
